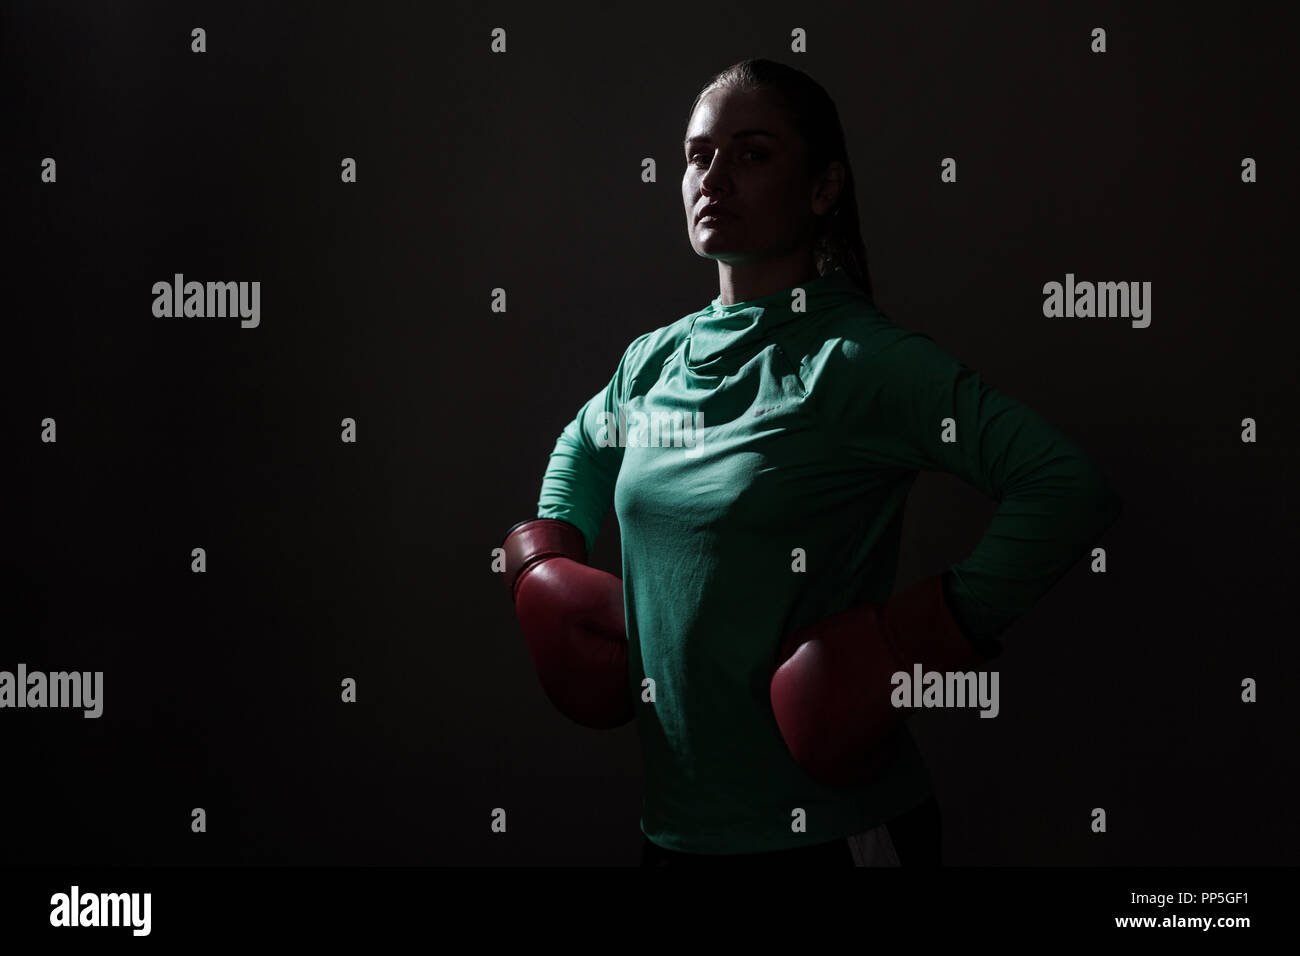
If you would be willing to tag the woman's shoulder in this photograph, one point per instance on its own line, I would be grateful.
(853, 330)
(655, 346)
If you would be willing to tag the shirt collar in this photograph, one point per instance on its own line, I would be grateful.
(720, 328)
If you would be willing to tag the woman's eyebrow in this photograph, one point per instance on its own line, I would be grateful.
(737, 135)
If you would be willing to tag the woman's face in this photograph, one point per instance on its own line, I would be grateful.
(742, 154)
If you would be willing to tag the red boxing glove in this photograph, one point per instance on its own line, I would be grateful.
(572, 619)
(833, 680)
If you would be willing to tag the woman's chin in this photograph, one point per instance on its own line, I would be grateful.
(710, 245)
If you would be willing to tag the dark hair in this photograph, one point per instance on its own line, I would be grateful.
(837, 241)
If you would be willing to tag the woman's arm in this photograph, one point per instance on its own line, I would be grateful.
(572, 615)
(904, 402)
(897, 401)
(578, 485)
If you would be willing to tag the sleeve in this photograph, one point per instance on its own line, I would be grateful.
(578, 485)
(907, 404)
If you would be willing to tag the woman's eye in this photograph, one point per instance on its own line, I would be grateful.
(752, 152)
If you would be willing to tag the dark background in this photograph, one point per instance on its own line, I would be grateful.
(522, 170)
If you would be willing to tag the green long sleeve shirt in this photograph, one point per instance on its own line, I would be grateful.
(758, 456)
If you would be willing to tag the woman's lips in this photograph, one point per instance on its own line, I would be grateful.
(714, 211)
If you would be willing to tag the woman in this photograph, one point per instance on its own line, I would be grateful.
(753, 636)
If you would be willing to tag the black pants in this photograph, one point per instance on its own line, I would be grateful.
(917, 837)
